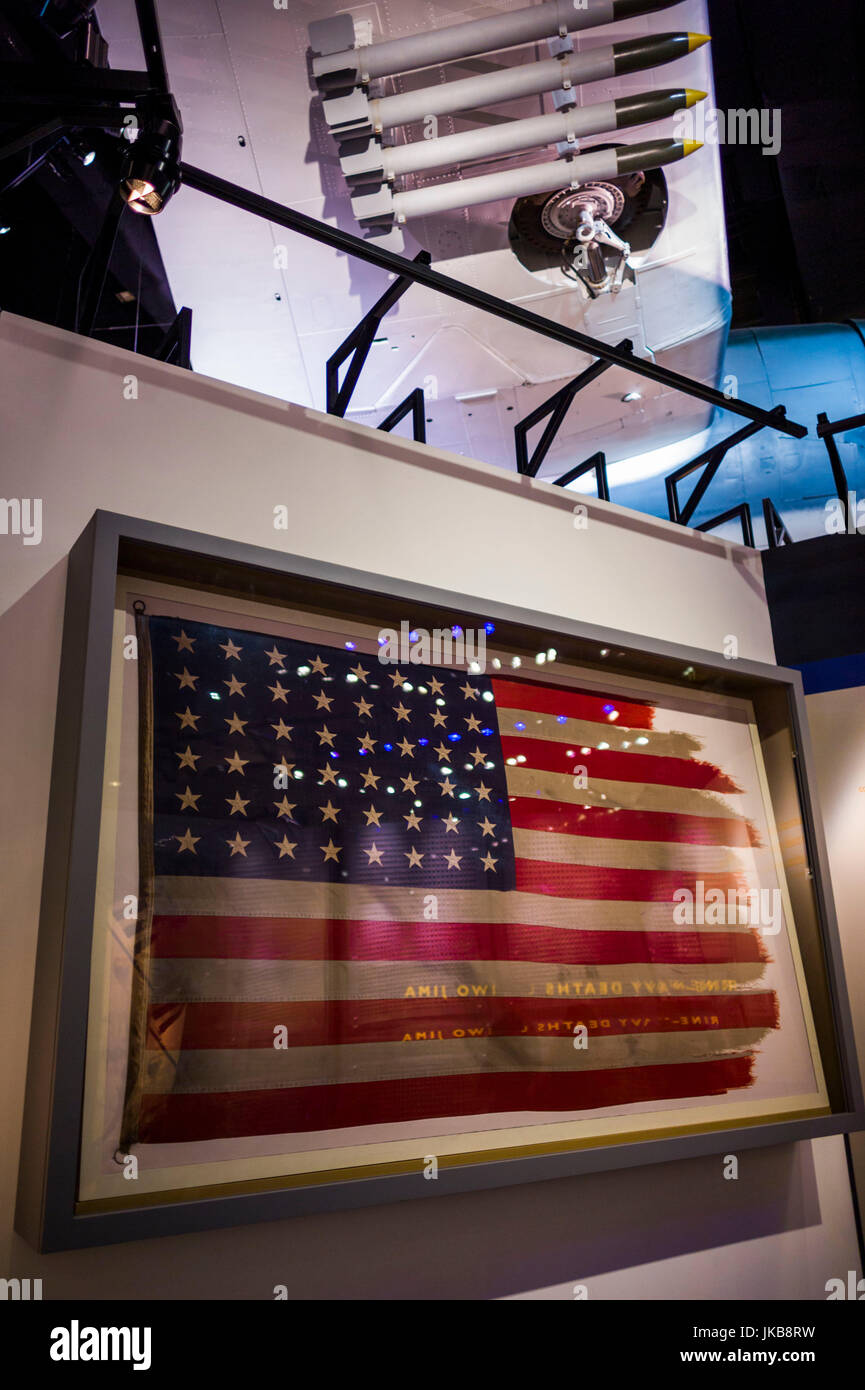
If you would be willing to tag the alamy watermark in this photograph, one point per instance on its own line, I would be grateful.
(743, 907)
(751, 126)
(22, 516)
(77, 1343)
(845, 518)
(443, 646)
(853, 1289)
(20, 1290)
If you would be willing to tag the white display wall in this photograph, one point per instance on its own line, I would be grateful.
(86, 426)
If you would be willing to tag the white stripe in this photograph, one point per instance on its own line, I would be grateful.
(266, 1068)
(630, 796)
(263, 897)
(629, 854)
(192, 980)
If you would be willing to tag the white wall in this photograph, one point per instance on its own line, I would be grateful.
(837, 722)
(194, 453)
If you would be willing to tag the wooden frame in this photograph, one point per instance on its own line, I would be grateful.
(112, 545)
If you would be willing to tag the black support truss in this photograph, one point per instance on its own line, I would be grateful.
(151, 40)
(741, 513)
(359, 341)
(776, 532)
(556, 408)
(710, 461)
(827, 430)
(598, 464)
(176, 346)
(414, 404)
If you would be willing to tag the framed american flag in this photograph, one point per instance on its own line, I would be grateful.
(357, 891)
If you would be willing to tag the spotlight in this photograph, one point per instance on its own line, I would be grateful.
(82, 149)
(151, 168)
(4, 230)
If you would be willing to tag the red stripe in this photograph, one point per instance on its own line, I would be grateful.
(612, 823)
(617, 885)
(176, 1026)
(287, 938)
(615, 766)
(547, 699)
(175, 1119)
(565, 818)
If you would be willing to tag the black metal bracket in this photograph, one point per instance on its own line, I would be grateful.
(556, 407)
(598, 462)
(176, 346)
(358, 343)
(710, 461)
(414, 403)
(151, 42)
(68, 119)
(827, 430)
(776, 532)
(77, 96)
(741, 513)
(38, 85)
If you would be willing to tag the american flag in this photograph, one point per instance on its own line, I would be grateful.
(374, 894)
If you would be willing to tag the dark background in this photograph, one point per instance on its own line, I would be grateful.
(54, 217)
